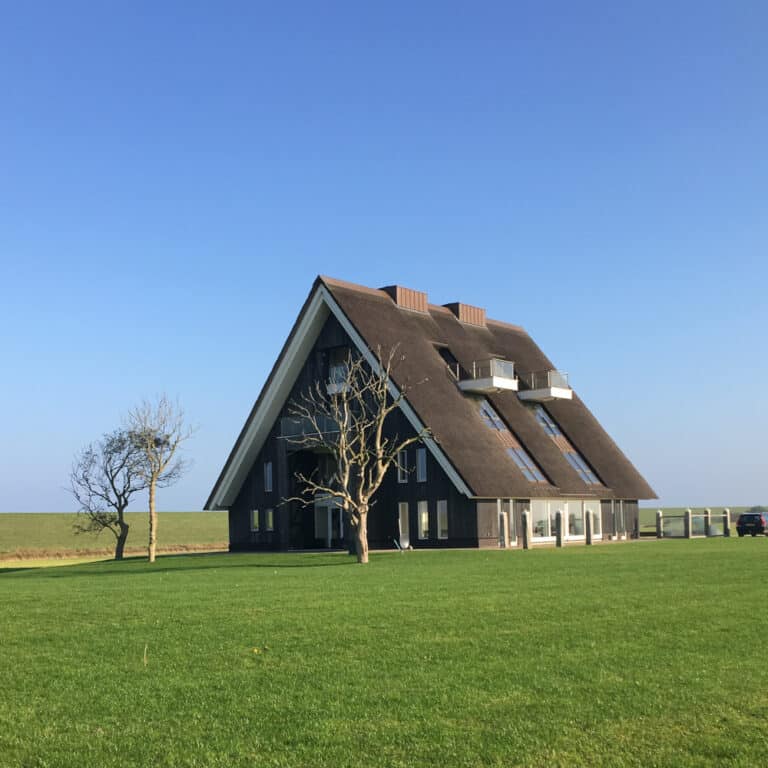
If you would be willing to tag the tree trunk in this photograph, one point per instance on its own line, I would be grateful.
(361, 538)
(152, 522)
(121, 539)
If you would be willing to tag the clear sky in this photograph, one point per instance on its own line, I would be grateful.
(174, 175)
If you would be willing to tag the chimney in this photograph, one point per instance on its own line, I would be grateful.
(407, 298)
(466, 313)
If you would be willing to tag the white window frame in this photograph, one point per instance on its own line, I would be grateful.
(254, 520)
(267, 477)
(402, 466)
(421, 465)
(421, 508)
(548, 536)
(442, 516)
(269, 522)
(596, 517)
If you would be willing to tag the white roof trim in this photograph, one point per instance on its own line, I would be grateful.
(279, 387)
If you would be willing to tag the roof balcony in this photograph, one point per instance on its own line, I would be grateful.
(301, 430)
(492, 375)
(541, 386)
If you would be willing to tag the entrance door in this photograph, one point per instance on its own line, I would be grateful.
(337, 527)
(329, 525)
(404, 527)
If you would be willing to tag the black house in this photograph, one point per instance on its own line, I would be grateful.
(507, 434)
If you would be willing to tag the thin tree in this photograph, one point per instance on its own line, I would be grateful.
(346, 418)
(104, 477)
(157, 430)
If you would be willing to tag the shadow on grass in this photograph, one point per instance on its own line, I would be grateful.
(185, 562)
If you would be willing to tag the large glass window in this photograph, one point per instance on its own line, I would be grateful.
(338, 365)
(539, 518)
(515, 451)
(597, 520)
(442, 519)
(620, 524)
(423, 513)
(404, 524)
(402, 467)
(421, 465)
(574, 458)
(575, 518)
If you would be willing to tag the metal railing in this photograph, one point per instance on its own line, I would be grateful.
(544, 379)
(294, 427)
(486, 369)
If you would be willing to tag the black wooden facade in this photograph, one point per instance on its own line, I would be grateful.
(263, 517)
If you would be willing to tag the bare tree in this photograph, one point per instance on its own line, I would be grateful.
(346, 418)
(157, 429)
(104, 476)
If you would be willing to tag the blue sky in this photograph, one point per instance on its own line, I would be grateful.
(173, 177)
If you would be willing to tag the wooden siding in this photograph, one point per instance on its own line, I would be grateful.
(294, 523)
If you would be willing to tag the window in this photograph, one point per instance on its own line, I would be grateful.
(449, 360)
(404, 524)
(574, 458)
(423, 509)
(255, 520)
(421, 465)
(515, 451)
(575, 518)
(539, 519)
(267, 477)
(270, 519)
(442, 519)
(402, 467)
(597, 520)
(338, 365)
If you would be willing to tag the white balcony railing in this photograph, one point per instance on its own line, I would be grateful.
(489, 375)
(541, 386)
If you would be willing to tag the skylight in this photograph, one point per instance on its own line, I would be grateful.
(515, 451)
(574, 458)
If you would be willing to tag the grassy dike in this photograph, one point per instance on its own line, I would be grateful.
(631, 654)
(50, 535)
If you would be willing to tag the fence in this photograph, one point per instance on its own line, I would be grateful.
(689, 524)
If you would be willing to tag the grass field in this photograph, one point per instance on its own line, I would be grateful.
(636, 654)
(49, 534)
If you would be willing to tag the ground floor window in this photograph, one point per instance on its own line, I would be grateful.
(255, 520)
(597, 518)
(543, 514)
(539, 519)
(442, 519)
(619, 521)
(269, 523)
(575, 511)
(423, 514)
(403, 511)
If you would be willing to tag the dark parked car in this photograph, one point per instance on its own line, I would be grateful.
(752, 523)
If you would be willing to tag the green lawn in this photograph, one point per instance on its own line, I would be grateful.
(636, 654)
(39, 534)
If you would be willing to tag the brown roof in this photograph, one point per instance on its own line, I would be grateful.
(452, 415)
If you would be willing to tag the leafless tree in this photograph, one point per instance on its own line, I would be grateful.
(157, 429)
(346, 418)
(104, 476)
